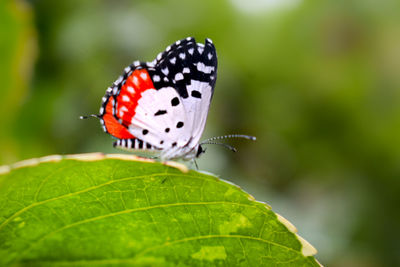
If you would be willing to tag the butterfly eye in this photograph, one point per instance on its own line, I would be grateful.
(200, 151)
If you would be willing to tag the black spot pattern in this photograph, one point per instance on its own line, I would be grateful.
(140, 144)
(196, 94)
(167, 130)
(134, 143)
(177, 58)
(160, 112)
(145, 131)
(175, 101)
(174, 144)
(179, 125)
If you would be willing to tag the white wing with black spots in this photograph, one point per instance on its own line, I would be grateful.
(161, 119)
(191, 68)
(170, 113)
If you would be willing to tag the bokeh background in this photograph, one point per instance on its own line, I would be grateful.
(318, 82)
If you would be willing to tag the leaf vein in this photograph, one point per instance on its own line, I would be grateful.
(33, 244)
(35, 204)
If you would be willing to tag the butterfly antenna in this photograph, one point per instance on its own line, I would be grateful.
(231, 148)
(249, 137)
(91, 115)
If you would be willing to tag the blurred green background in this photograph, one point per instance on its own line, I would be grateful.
(318, 82)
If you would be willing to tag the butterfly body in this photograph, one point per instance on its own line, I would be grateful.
(162, 106)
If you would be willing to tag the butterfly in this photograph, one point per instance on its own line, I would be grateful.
(162, 106)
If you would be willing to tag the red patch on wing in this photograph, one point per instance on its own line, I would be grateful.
(130, 93)
(112, 125)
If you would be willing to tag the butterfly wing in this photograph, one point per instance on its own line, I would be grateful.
(163, 104)
(192, 69)
(110, 123)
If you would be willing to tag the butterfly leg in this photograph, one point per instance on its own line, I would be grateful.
(195, 164)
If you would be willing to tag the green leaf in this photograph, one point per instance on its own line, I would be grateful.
(113, 210)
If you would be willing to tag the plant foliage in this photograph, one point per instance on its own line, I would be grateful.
(107, 210)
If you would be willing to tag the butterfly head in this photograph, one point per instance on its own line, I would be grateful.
(200, 150)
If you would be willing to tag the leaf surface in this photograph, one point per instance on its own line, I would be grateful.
(99, 210)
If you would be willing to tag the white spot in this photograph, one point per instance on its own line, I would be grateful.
(210, 56)
(130, 89)
(179, 76)
(173, 60)
(186, 70)
(150, 64)
(119, 80)
(212, 77)
(101, 110)
(165, 71)
(104, 99)
(123, 142)
(182, 55)
(124, 109)
(126, 98)
(209, 40)
(159, 56)
(191, 50)
(109, 89)
(178, 42)
(121, 113)
(200, 49)
(143, 75)
(135, 80)
(136, 63)
(166, 79)
(127, 69)
(156, 78)
(189, 38)
(168, 48)
(201, 45)
(129, 143)
(115, 89)
(203, 68)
